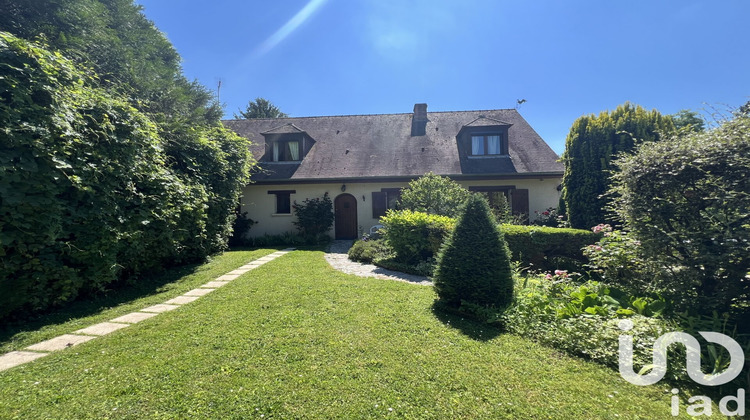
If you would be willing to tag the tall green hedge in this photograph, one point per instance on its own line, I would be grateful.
(88, 194)
(591, 145)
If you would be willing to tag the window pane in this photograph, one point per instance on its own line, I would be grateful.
(477, 145)
(275, 152)
(283, 205)
(392, 200)
(293, 150)
(493, 145)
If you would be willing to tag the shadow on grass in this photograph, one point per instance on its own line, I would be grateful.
(476, 330)
(84, 306)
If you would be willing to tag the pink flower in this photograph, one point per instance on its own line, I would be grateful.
(546, 213)
(561, 273)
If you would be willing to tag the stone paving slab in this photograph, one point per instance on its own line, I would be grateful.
(181, 300)
(61, 342)
(134, 317)
(16, 358)
(102, 328)
(160, 308)
(198, 292)
(240, 271)
(227, 277)
(215, 284)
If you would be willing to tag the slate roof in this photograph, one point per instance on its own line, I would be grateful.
(381, 146)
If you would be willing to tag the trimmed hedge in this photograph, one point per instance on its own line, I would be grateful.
(547, 248)
(415, 236)
(90, 194)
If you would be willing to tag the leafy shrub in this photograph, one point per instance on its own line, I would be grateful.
(474, 264)
(370, 250)
(686, 200)
(415, 236)
(550, 218)
(314, 215)
(552, 310)
(581, 319)
(545, 248)
(240, 227)
(89, 193)
(617, 258)
(434, 194)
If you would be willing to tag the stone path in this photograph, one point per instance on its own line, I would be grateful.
(337, 257)
(64, 341)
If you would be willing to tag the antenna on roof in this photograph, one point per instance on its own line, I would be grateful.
(519, 102)
(218, 92)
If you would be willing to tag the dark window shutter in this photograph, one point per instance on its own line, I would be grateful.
(520, 202)
(378, 204)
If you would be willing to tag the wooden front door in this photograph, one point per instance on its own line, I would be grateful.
(345, 206)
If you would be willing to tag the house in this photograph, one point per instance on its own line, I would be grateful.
(363, 161)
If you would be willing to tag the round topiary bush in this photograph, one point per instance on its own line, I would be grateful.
(474, 264)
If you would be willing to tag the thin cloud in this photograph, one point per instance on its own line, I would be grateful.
(301, 17)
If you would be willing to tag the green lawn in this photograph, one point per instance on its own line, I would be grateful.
(297, 339)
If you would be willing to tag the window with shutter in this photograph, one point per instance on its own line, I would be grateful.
(379, 204)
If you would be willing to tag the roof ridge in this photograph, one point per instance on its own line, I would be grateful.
(373, 115)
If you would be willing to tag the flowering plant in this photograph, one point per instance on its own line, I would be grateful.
(551, 218)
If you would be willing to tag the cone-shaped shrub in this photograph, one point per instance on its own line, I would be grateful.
(474, 263)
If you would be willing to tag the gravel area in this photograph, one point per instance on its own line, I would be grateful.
(338, 259)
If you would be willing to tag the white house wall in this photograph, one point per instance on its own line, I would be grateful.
(261, 206)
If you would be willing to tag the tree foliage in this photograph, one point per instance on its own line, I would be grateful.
(590, 147)
(125, 51)
(687, 200)
(688, 121)
(474, 264)
(434, 194)
(104, 176)
(260, 108)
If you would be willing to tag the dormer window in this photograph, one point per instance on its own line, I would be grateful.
(286, 151)
(286, 143)
(488, 144)
(484, 137)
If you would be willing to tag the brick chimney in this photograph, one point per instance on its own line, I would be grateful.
(419, 120)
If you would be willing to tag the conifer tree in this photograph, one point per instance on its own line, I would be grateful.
(591, 145)
(474, 264)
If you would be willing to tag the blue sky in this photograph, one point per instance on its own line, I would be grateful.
(566, 58)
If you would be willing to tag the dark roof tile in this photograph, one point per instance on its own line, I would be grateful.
(357, 146)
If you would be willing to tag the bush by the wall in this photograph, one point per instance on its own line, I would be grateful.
(415, 236)
(546, 248)
(314, 215)
(474, 264)
(434, 194)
